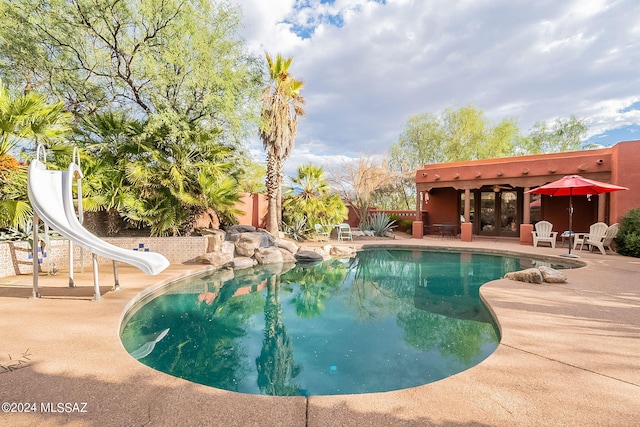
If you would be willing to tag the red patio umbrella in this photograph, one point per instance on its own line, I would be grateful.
(574, 185)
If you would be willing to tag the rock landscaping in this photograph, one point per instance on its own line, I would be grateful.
(243, 246)
(537, 275)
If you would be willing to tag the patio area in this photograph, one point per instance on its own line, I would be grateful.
(569, 356)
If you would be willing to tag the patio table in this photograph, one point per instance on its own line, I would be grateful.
(565, 235)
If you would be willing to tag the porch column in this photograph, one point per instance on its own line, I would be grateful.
(466, 228)
(467, 205)
(526, 206)
(417, 228)
(526, 238)
(602, 207)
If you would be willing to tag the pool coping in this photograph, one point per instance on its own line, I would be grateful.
(568, 356)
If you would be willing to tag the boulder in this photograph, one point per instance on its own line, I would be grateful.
(530, 275)
(288, 245)
(206, 231)
(342, 252)
(207, 220)
(242, 262)
(239, 229)
(287, 256)
(267, 239)
(308, 256)
(216, 259)
(323, 251)
(215, 240)
(551, 275)
(228, 248)
(247, 243)
(268, 255)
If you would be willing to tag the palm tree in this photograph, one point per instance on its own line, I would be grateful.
(29, 117)
(311, 199)
(281, 107)
(24, 118)
(153, 174)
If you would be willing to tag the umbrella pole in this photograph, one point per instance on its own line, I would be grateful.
(570, 255)
(570, 222)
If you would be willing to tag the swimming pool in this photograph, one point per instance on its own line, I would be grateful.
(385, 320)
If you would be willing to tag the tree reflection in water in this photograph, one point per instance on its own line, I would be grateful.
(384, 320)
(275, 365)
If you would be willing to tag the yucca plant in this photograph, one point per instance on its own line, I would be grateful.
(380, 223)
(297, 228)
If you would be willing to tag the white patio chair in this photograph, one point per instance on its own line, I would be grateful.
(604, 240)
(596, 230)
(321, 233)
(543, 233)
(344, 232)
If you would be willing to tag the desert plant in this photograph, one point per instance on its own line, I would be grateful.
(628, 238)
(380, 223)
(297, 228)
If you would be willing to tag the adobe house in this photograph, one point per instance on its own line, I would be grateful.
(488, 197)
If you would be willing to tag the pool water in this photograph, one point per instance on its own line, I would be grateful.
(385, 320)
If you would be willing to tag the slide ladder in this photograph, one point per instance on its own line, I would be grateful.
(51, 196)
(80, 215)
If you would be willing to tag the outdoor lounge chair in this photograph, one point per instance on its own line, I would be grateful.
(344, 232)
(604, 240)
(595, 232)
(543, 233)
(321, 233)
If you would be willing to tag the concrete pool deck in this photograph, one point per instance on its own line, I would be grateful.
(569, 356)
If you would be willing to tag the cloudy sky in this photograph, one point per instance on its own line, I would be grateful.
(369, 65)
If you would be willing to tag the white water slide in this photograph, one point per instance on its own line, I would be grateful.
(51, 196)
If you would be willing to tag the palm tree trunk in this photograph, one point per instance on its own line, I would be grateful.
(272, 183)
(279, 205)
(113, 222)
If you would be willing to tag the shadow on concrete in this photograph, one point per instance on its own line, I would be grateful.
(342, 415)
(137, 400)
(52, 292)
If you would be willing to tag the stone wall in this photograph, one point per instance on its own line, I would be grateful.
(15, 256)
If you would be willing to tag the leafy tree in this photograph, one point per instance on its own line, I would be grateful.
(148, 57)
(177, 73)
(455, 135)
(311, 199)
(563, 135)
(282, 104)
(252, 176)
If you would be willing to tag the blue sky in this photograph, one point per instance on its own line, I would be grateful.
(370, 65)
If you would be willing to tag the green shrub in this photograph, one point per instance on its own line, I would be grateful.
(628, 238)
(402, 223)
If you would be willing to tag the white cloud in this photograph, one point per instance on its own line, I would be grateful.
(366, 73)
